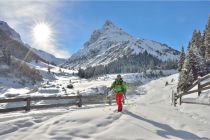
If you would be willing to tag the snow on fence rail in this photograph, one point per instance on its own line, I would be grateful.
(200, 83)
(79, 101)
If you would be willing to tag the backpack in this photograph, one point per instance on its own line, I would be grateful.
(120, 83)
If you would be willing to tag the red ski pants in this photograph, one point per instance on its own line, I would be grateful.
(118, 97)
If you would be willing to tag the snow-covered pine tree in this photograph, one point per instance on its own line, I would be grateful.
(196, 59)
(187, 66)
(200, 63)
(183, 81)
(179, 82)
(193, 63)
(203, 47)
(197, 63)
(207, 40)
(196, 40)
(181, 59)
(190, 78)
(186, 76)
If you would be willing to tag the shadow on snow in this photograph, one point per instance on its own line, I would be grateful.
(167, 130)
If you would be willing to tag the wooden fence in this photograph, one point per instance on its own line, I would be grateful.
(77, 100)
(200, 83)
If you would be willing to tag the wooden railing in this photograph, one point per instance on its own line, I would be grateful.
(77, 100)
(200, 82)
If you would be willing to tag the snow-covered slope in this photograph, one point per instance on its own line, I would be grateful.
(110, 43)
(55, 82)
(148, 115)
(49, 57)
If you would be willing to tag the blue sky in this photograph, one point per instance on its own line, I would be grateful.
(73, 22)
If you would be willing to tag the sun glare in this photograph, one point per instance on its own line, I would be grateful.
(42, 32)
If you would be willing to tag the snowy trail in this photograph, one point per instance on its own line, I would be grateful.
(148, 116)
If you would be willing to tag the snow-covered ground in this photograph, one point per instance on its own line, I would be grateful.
(55, 83)
(148, 115)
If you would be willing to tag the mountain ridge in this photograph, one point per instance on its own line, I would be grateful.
(9, 31)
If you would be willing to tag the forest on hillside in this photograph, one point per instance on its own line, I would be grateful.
(196, 61)
(132, 64)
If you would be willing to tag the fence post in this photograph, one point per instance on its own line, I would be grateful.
(175, 99)
(28, 104)
(80, 99)
(199, 86)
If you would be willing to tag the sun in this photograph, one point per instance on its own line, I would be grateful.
(42, 32)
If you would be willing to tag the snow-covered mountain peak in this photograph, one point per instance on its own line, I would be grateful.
(110, 28)
(109, 33)
(110, 43)
(109, 25)
(9, 31)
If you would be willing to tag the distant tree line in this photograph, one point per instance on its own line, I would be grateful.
(128, 64)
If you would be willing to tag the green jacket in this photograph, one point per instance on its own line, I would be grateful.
(119, 86)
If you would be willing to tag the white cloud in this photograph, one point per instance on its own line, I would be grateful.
(19, 12)
(22, 15)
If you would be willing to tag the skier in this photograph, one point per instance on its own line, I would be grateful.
(119, 87)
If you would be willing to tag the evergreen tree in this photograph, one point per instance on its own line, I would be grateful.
(203, 48)
(81, 73)
(200, 63)
(196, 40)
(185, 76)
(207, 40)
(193, 63)
(183, 81)
(197, 63)
(181, 59)
(190, 78)
(188, 47)
(187, 66)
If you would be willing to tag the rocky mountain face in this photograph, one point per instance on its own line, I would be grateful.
(9, 31)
